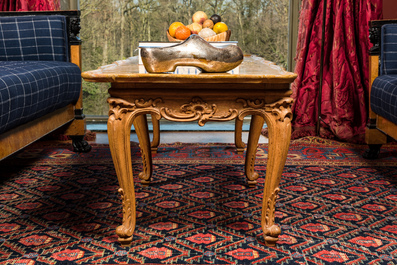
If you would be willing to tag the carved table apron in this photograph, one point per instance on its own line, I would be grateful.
(260, 90)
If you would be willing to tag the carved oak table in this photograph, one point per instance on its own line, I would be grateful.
(261, 89)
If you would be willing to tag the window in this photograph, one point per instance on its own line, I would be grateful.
(111, 30)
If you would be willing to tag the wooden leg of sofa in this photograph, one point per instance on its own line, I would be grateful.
(79, 144)
(375, 139)
(76, 131)
(372, 152)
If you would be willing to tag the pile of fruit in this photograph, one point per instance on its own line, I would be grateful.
(202, 25)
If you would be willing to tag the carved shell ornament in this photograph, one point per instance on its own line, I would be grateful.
(199, 110)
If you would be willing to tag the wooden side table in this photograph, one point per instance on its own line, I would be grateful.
(261, 89)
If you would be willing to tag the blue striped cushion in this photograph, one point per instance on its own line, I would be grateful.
(384, 97)
(31, 89)
(33, 38)
(388, 58)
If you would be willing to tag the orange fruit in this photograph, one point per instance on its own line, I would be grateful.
(173, 27)
(182, 33)
(220, 27)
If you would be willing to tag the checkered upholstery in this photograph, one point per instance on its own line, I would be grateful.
(384, 97)
(388, 58)
(33, 38)
(31, 89)
(384, 88)
(35, 75)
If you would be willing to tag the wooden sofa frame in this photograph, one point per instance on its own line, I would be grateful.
(70, 118)
(379, 130)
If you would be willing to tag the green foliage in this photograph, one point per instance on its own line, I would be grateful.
(111, 30)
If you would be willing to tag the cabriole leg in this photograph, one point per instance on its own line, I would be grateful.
(156, 134)
(119, 127)
(141, 129)
(253, 138)
(278, 120)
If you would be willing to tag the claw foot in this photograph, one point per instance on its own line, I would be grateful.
(80, 145)
(372, 152)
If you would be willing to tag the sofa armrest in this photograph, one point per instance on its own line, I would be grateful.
(375, 34)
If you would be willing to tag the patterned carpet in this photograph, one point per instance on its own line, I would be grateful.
(334, 207)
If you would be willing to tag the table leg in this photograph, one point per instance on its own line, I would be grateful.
(253, 138)
(141, 129)
(238, 134)
(156, 134)
(279, 127)
(119, 130)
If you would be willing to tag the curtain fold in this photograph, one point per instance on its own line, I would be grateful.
(344, 99)
(30, 5)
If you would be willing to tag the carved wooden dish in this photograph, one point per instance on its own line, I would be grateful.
(224, 36)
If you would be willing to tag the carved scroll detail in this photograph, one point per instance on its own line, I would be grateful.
(255, 104)
(281, 109)
(199, 110)
(146, 168)
(120, 107)
(74, 29)
(122, 230)
(374, 38)
(271, 207)
(270, 229)
(253, 175)
(141, 103)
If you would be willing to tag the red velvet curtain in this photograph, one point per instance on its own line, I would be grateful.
(30, 5)
(344, 101)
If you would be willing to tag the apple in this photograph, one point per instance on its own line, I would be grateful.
(208, 24)
(199, 17)
(195, 27)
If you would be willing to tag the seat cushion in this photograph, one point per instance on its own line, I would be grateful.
(384, 97)
(31, 89)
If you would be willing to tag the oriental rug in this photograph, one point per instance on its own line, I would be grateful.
(334, 207)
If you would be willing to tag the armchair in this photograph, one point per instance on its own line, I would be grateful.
(382, 125)
(40, 79)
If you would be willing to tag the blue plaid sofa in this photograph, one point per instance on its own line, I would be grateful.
(382, 125)
(40, 86)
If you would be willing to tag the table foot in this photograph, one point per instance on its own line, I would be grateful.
(125, 242)
(270, 234)
(144, 183)
(252, 183)
(240, 151)
(154, 150)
